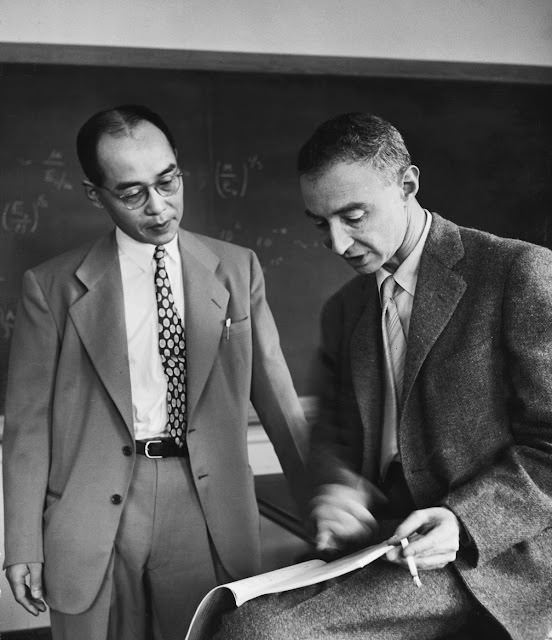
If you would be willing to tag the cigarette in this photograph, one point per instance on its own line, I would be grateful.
(411, 565)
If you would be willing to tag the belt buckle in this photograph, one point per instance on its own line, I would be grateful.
(146, 449)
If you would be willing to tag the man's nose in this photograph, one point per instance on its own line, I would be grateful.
(338, 238)
(155, 204)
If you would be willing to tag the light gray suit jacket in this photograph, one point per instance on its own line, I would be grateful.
(69, 410)
(476, 425)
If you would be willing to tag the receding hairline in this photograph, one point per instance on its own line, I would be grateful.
(117, 121)
(128, 131)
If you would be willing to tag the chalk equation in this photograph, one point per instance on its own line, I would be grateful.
(22, 218)
(7, 321)
(55, 172)
(315, 244)
(232, 178)
(271, 246)
(263, 241)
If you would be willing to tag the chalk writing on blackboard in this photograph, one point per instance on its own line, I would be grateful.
(232, 178)
(263, 242)
(55, 172)
(307, 245)
(20, 218)
(7, 319)
(229, 234)
(254, 162)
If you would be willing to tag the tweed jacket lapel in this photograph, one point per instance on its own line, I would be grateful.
(99, 319)
(206, 301)
(438, 292)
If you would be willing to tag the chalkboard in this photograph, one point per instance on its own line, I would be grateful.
(484, 150)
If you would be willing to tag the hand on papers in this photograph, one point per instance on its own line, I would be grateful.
(434, 537)
(26, 584)
(341, 517)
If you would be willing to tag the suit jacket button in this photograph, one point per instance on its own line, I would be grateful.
(127, 451)
(116, 498)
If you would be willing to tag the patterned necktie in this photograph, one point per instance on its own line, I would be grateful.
(394, 351)
(172, 348)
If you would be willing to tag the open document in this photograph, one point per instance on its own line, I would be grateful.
(233, 594)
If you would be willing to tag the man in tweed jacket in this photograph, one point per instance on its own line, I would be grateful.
(469, 479)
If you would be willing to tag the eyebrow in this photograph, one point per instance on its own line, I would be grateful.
(351, 206)
(126, 185)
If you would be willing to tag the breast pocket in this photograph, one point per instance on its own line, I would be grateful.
(236, 327)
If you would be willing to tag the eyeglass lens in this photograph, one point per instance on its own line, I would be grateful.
(165, 187)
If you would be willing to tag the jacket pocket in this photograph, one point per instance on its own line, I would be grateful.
(236, 327)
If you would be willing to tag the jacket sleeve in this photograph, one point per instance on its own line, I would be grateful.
(272, 392)
(336, 452)
(26, 450)
(511, 501)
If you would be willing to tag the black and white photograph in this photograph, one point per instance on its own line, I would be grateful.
(276, 320)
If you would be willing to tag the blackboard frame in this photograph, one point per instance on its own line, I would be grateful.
(39, 53)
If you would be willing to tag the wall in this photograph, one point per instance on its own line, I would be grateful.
(492, 31)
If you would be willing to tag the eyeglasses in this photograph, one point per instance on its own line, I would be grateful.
(137, 197)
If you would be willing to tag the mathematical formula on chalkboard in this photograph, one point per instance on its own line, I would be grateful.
(22, 216)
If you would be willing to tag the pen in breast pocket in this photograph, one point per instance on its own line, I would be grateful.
(227, 324)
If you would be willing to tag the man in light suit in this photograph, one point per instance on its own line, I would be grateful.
(436, 412)
(128, 493)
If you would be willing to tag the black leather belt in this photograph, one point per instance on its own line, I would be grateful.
(159, 448)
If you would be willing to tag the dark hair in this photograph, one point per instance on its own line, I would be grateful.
(354, 137)
(117, 121)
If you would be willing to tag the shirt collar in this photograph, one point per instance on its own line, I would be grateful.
(407, 273)
(141, 253)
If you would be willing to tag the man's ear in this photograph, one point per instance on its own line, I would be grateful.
(91, 192)
(411, 182)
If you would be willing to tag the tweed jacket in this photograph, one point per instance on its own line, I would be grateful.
(69, 424)
(475, 432)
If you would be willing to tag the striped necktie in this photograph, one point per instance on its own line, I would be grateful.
(172, 349)
(394, 352)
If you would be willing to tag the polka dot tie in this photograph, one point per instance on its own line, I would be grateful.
(172, 348)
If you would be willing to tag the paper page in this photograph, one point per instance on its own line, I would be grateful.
(249, 588)
(228, 596)
(329, 570)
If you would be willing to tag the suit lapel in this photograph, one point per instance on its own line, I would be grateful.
(366, 363)
(206, 301)
(99, 319)
(438, 292)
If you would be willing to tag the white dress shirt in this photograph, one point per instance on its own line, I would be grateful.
(406, 277)
(147, 379)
